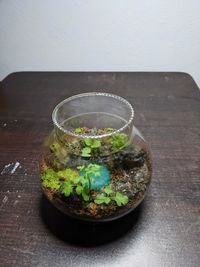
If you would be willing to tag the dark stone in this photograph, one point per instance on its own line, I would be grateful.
(133, 160)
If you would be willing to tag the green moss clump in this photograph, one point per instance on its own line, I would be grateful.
(50, 179)
(67, 173)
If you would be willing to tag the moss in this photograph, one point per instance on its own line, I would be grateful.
(50, 179)
(67, 173)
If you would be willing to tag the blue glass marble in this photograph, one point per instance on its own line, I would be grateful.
(98, 181)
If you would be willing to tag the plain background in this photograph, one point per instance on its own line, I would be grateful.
(100, 35)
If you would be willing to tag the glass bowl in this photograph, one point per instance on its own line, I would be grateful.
(96, 166)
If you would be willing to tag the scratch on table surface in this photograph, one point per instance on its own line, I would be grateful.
(6, 167)
(17, 164)
(10, 167)
(5, 199)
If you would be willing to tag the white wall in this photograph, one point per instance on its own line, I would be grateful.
(100, 35)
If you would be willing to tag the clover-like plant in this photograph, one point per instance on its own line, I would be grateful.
(120, 199)
(90, 146)
(119, 141)
(109, 195)
(91, 169)
(86, 152)
(67, 188)
(102, 199)
(81, 185)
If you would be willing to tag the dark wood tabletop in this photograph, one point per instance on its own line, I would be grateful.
(163, 231)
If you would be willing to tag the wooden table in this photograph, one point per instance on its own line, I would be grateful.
(164, 231)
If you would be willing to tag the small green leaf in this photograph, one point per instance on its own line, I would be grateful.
(86, 152)
(120, 199)
(67, 189)
(100, 199)
(79, 189)
(85, 196)
(108, 190)
(88, 141)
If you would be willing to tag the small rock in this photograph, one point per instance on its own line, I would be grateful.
(133, 160)
(139, 177)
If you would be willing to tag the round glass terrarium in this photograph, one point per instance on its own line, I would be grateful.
(96, 165)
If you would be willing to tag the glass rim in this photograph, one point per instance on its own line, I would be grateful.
(68, 132)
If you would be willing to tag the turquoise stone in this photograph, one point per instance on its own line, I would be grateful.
(98, 181)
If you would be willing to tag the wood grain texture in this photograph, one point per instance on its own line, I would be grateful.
(163, 231)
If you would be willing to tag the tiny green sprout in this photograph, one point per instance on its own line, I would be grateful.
(101, 199)
(120, 199)
(86, 152)
(67, 188)
(78, 130)
(108, 190)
